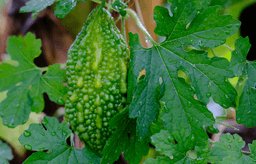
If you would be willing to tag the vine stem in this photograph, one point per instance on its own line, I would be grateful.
(139, 24)
(118, 19)
(136, 19)
(138, 9)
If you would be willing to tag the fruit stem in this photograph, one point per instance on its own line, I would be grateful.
(140, 25)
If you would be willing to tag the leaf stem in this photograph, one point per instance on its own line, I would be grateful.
(42, 69)
(118, 19)
(247, 152)
(228, 126)
(227, 46)
(140, 25)
(72, 139)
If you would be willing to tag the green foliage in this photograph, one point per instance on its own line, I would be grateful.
(5, 153)
(209, 77)
(119, 6)
(124, 139)
(52, 136)
(96, 78)
(26, 82)
(62, 9)
(246, 86)
(227, 151)
(161, 106)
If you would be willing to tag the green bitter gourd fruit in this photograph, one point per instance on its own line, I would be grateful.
(96, 78)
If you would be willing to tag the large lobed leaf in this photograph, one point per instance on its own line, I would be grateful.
(192, 24)
(52, 136)
(26, 82)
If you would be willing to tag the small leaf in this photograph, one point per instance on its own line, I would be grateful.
(26, 82)
(36, 6)
(119, 6)
(5, 153)
(64, 7)
(53, 139)
(231, 147)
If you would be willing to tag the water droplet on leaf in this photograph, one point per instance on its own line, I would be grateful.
(41, 149)
(27, 133)
(28, 147)
(189, 104)
(240, 140)
(229, 26)
(227, 32)
(53, 133)
(175, 10)
(208, 95)
(201, 43)
(216, 34)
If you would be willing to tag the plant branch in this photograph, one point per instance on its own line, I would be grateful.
(140, 25)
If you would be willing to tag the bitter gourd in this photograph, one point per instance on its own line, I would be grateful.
(96, 78)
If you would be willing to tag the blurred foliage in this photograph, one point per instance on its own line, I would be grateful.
(73, 22)
(11, 135)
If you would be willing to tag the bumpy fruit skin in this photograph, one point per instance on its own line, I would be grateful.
(96, 78)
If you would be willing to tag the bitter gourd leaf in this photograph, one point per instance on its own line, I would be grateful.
(26, 83)
(246, 86)
(226, 151)
(52, 136)
(96, 78)
(124, 139)
(183, 115)
(63, 7)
